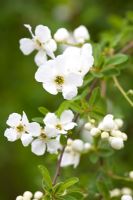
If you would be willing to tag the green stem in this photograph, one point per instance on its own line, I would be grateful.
(122, 91)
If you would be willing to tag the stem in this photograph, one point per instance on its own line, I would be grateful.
(58, 168)
(93, 85)
(122, 91)
(127, 47)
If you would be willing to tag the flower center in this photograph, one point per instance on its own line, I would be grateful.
(20, 128)
(43, 135)
(38, 43)
(59, 127)
(59, 80)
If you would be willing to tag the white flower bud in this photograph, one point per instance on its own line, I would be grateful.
(38, 195)
(126, 197)
(124, 136)
(19, 198)
(78, 145)
(108, 123)
(119, 122)
(61, 35)
(131, 174)
(87, 147)
(115, 193)
(126, 191)
(92, 121)
(104, 135)
(69, 141)
(88, 126)
(95, 131)
(27, 195)
(116, 143)
(81, 34)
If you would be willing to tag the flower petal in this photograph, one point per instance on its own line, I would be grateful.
(50, 47)
(67, 159)
(69, 126)
(14, 119)
(43, 33)
(53, 146)
(51, 119)
(74, 79)
(51, 88)
(67, 116)
(26, 45)
(51, 132)
(26, 139)
(40, 58)
(69, 92)
(11, 134)
(25, 120)
(34, 129)
(38, 147)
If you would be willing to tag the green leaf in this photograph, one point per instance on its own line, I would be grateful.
(63, 106)
(63, 140)
(38, 119)
(68, 183)
(46, 176)
(95, 96)
(68, 197)
(116, 59)
(43, 110)
(102, 187)
(110, 71)
(93, 158)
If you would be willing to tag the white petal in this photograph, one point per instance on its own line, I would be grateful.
(53, 146)
(69, 92)
(30, 29)
(25, 120)
(40, 58)
(76, 160)
(51, 132)
(11, 134)
(81, 34)
(69, 126)
(26, 139)
(67, 159)
(43, 33)
(34, 129)
(38, 147)
(50, 47)
(14, 119)
(26, 46)
(61, 35)
(74, 79)
(51, 88)
(86, 50)
(51, 119)
(67, 116)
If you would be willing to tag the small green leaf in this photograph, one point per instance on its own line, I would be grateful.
(63, 140)
(43, 110)
(68, 183)
(46, 176)
(95, 96)
(110, 71)
(38, 119)
(63, 106)
(102, 187)
(116, 59)
(93, 158)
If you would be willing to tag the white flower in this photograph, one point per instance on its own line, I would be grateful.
(41, 41)
(62, 125)
(79, 60)
(108, 123)
(115, 192)
(45, 141)
(104, 135)
(95, 131)
(81, 34)
(131, 174)
(73, 152)
(20, 128)
(126, 197)
(38, 195)
(55, 78)
(19, 197)
(126, 191)
(62, 35)
(27, 195)
(116, 143)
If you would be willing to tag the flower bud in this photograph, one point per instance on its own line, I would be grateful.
(104, 135)
(61, 35)
(95, 131)
(88, 126)
(131, 174)
(124, 136)
(126, 191)
(126, 197)
(119, 122)
(78, 145)
(108, 123)
(19, 198)
(38, 195)
(27, 195)
(116, 143)
(115, 193)
(87, 147)
(81, 34)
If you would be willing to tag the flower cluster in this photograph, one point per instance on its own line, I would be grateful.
(124, 193)
(64, 73)
(109, 129)
(30, 196)
(41, 138)
(73, 152)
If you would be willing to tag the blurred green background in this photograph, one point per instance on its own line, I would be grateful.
(20, 91)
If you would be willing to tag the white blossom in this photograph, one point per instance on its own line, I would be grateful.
(131, 174)
(62, 35)
(55, 78)
(21, 128)
(73, 152)
(81, 34)
(62, 125)
(40, 41)
(30, 196)
(126, 197)
(116, 143)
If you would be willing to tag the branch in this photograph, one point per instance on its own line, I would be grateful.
(122, 91)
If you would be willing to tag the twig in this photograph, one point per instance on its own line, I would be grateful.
(57, 173)
(122, 91)
(93, 85)
(127, 47)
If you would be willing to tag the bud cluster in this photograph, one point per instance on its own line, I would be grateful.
(30, 196)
